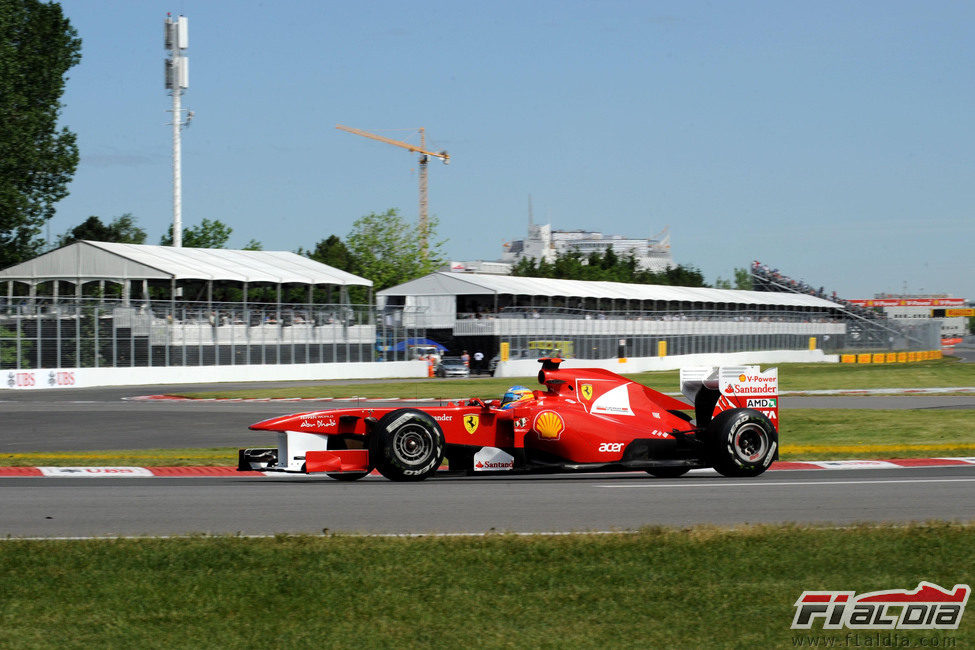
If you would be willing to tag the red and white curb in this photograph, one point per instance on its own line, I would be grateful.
(179, 472)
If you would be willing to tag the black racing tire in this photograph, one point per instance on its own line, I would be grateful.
(668, 472)
(406, 445)
(743, 442)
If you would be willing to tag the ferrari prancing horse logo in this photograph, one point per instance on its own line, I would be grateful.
(471, 422)
(586, 390)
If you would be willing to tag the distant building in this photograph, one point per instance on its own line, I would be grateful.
(544, 243)
(477, 266)
(951, 312)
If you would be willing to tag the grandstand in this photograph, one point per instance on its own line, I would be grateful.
(482, 312)
(867, 328)
(130, 305)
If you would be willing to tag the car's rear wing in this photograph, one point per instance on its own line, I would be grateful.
(716, 389)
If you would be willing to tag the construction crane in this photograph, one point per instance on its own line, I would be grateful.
(424, 159)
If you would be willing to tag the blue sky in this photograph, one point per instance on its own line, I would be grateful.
(833, 140)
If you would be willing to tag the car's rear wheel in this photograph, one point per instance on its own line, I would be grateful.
(406, 445)
(668, 472)
(743, 442)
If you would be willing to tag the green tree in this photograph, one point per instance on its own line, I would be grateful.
(331, 251)
(607, 266)
(209, 234)
(121, 230)
(386, 249)
(743, 280)
(8, 350)
(37, 160)
(253, 245)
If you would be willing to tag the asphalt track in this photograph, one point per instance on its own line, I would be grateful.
(96, 507)
(93, 419)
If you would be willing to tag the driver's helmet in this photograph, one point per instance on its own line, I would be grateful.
(515, 394)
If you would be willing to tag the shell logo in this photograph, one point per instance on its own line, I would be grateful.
(549, 425)
(742, 378)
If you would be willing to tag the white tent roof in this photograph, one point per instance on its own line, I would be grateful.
(441, 284)
(93, 260)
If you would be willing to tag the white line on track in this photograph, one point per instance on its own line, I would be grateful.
(762, 484)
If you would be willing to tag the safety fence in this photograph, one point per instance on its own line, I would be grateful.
(603, 335)
(97, 333)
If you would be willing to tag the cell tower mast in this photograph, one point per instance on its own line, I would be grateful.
(177, 40)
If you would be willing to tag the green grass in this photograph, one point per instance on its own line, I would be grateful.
(208, 457)
(942, 373)
(821, 434)
(699, 587)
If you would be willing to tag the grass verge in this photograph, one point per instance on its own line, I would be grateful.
(210, 457)
(698, 587)
(834, 434)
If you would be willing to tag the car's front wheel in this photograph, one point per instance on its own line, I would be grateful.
(743, 442)
(406, 445)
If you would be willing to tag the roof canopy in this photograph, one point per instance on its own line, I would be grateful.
(86, 261)
(465, 284)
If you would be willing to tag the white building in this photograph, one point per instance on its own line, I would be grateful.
(544, 243)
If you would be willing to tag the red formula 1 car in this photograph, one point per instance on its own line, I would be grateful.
(586, 419)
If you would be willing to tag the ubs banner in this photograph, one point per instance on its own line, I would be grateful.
(42, 378)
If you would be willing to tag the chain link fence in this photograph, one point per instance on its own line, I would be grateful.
(99, 333)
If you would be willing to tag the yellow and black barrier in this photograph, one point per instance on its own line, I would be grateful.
(891, 357)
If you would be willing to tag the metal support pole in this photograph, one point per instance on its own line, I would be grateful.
(279, 333)
(77, 321)
(247, 327)
(20, 319)
(56, 308)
